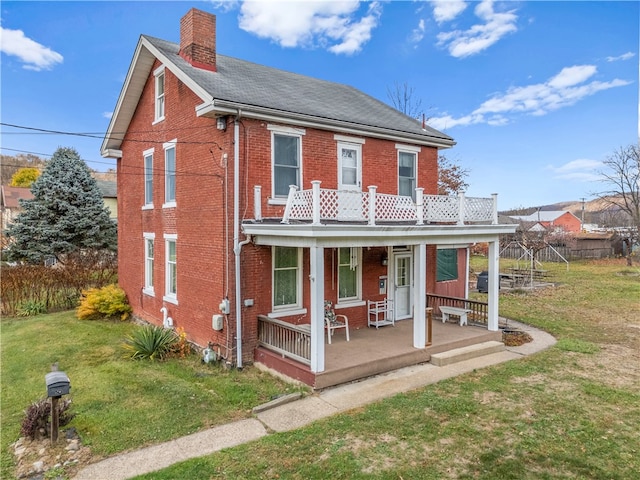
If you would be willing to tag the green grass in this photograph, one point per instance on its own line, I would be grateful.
(572, 411)
(119, 403)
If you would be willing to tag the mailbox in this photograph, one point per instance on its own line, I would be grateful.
(58, 384)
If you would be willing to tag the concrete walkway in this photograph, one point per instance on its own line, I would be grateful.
(296, 414)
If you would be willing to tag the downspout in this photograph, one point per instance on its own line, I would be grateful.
(237, 245)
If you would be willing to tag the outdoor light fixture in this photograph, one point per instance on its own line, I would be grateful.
(384, 260)
(221, 123)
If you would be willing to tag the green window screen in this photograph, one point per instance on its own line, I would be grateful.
(447, 265)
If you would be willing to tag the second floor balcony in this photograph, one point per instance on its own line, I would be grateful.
(319, 205)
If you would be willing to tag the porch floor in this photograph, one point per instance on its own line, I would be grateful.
(370, 352)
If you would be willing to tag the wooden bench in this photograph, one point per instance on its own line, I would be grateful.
(455, 311)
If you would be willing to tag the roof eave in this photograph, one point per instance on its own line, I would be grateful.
(217, 107)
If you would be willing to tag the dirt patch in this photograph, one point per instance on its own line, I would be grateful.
(34, 458)
(515, 338)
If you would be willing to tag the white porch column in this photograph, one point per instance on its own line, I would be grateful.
(420, 297)
(315, 195)
(316, 281)
(493, 285)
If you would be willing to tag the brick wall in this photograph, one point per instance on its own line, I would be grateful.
(203, 219)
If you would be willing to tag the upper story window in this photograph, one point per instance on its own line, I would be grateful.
(170, 174)
(407, 170)
(287, 278)
(286, 159)
(148, 177)
(159, 81)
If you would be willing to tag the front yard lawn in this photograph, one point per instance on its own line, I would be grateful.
(120, 404)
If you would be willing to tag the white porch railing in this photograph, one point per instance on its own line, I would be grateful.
(288, 340)
(319, 205)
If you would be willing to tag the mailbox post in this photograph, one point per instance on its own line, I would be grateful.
(58, 384)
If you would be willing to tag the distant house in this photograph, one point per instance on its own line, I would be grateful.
(551, 221)
(248, 196)
(10, 202)
(109, 191)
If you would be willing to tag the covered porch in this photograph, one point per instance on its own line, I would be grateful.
(373, 351)
(317, 220)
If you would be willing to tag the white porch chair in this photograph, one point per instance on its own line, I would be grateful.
(334, 321)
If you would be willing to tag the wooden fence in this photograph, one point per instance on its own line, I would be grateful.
(549, 254)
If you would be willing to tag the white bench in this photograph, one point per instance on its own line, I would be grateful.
(455, 311)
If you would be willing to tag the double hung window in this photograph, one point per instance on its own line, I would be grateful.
(286, 157)
(287, 278)
(170, 174)
(349, 279)
(148, 177)
(159, 81)
(407, 174)
(171, 268)
(149, 239)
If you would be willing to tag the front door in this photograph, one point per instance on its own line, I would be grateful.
(349, 181)
(402, 285)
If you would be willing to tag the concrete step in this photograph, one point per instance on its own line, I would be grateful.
(466, 353)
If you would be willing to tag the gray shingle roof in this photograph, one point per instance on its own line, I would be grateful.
(243, 82)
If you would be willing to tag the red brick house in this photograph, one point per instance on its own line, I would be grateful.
(247, 196)
(553, 220)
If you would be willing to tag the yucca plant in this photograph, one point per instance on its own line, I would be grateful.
(150, 342)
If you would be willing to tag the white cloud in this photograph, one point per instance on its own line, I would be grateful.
(624, 56)
(335, 25)
(107, 115)
(34, 55)
(562, 90)
(481, 36)
(447, 10)
(582, 170)
(417, 34)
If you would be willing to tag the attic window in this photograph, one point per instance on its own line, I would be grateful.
(159, 76)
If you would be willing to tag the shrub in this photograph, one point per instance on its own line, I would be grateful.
(37, 421)
(182, 348)
(108, 301)
(151, 342)
(31, 308)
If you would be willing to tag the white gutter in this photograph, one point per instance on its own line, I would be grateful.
(269, 115)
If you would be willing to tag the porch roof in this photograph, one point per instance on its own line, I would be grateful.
(272, 232)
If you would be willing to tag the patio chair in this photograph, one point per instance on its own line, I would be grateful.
(334, 321)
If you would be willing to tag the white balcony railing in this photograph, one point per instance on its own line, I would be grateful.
(317, 205)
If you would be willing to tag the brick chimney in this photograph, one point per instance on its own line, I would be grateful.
(198, 39)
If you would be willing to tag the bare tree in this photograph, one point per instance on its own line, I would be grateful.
(622, 178)
(402, 97)
(451, 176)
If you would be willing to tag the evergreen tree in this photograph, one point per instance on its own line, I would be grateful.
(67, 214)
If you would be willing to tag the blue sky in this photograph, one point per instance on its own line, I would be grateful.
(536, 94)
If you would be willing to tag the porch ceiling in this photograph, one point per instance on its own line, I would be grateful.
(359, 235)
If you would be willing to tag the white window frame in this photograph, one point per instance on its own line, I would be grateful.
(356, 253)
(159, 97)
(148, 178)
(410, 149)
(169, 266)
(287, 132)
(170, 202)
(294, 308)
(149, 264)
